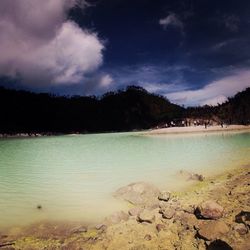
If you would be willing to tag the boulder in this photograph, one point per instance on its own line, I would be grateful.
(209, 210)
(189, 221)
(164, 196)
(167, 213)
(140, 193)
(212, 230)
(146, 216)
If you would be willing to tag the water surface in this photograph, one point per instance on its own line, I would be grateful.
(73, 177)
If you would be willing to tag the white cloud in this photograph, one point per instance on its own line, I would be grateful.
(171, 20)
(161, 88)
(215, 92)
(106, 81)
(38, 44)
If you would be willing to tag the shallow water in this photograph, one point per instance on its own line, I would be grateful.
(73, 177)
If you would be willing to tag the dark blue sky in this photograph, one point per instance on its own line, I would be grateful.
(193, 52)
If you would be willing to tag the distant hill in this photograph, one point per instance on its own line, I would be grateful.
(237, 109)
(130, 109)
(234, 111)
(133, 108)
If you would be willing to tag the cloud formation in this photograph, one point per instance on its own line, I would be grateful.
(40, 46)
(215, 92)
(172, 20)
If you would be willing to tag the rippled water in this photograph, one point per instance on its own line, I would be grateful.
(73, 177)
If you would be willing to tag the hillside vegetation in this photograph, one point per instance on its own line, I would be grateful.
(131, 109)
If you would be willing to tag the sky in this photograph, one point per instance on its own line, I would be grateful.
(193, 52)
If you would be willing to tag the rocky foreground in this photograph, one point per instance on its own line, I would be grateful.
(212, 214)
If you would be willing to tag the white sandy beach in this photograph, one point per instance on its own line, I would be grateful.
(198, 129)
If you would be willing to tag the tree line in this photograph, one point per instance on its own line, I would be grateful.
(130, 109)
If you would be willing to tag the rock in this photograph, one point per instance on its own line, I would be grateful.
(173, 204)
(212, 230)
(167, 213)
(101, 227)
(160, 227)
(241, 229)
(243, 217)
(209, 210)
(189, 221)
(135, 211)
(116, 218)
(78, 230)
(164, 196)
(146, 216)
(219, 245)
(192, 176)
(148, 237)
(190, 209)
(140, 193)
(196, 177)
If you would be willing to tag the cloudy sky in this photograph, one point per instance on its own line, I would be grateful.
(193, 52)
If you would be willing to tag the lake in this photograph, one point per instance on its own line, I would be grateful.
(73, 176)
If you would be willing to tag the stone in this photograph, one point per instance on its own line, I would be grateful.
(101, 227)
(190, 209)
(243, 217)
(148, 237)
(241, 229)
(167, 213)
(196, 177)
(116, 218)
(135, 211)
(140, 193)
(146, 216)
(212, 230)
(78, 230)
(192, 176)
(219, 245)
(160, 227)
(209, 210)
(189, 221)
(164, 196)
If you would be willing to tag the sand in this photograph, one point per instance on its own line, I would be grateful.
(198, 129)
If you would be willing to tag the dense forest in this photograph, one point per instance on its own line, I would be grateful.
(125, 110)
(235, 111)
(133, 108)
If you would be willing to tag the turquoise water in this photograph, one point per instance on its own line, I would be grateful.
(73, 177)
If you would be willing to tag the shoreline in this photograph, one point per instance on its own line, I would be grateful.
(159, 131)
(197, 130)
(229, 189)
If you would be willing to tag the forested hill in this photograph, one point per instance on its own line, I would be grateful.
(235, 111)
(130, 109)
(133, 108)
